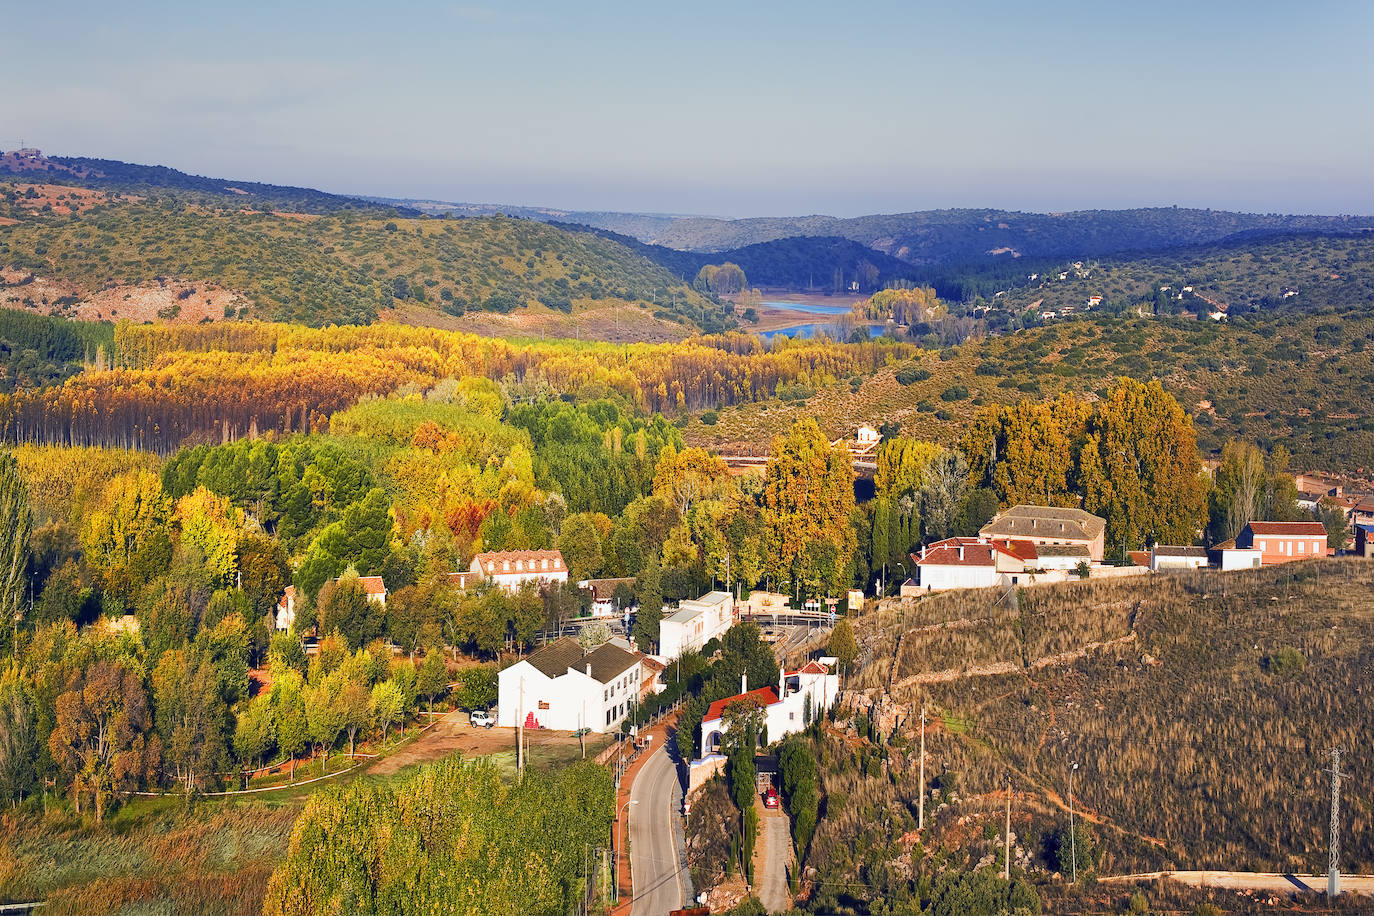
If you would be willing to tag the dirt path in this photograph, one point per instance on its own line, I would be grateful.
(451, 733)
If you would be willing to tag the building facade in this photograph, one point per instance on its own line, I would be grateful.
(511, 569)
(566, 688)
(785, 705)
(696, 623)
(1050, 525)
(1284, 542)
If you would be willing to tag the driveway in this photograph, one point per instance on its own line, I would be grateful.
(659, 879)
(1257, 881)
(771, 857)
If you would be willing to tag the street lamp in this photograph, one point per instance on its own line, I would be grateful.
(1073, 834)
(615, 876)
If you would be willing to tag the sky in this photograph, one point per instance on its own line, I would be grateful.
(729, 109)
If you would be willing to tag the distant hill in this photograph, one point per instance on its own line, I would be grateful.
(936, 236)
(127, 177)
(821, 263)
(107, 247)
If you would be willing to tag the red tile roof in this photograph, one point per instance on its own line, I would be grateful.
(977, 552)
(812, 667)
(766, 696)
(372, 585)
(491, 562)
(1286, 529)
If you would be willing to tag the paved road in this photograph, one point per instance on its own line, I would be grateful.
(1259, 881)
(771, 860)
(660, 884)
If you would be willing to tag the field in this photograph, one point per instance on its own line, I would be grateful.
(214, 855)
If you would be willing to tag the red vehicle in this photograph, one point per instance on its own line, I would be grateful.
(770, 798)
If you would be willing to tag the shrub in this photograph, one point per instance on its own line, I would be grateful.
(1285, 662)
(710, 417)
(910, 375)
(954, 393)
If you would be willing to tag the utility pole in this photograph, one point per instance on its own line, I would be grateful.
(1006, 839)
(1333, 873)
(1073, 833)
(520, 729)
(921, 808)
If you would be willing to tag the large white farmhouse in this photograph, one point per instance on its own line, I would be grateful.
(512, 568)
(567, 688)
(696, 623)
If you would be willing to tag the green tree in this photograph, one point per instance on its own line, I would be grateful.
(477, 687)
(843, 646)
(432, 678)
(293, 727)
(388, 706)
(18, 737)
(580, 544)
(255, 730)
(345, 608)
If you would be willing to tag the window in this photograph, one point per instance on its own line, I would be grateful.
(505, 565)
(1261, 545)
(546, 563)
(605, 695)
(608, 717)
(519, 565)
(1302, 547)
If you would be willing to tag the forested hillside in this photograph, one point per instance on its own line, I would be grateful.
(1274, 377)
(1304, 273)
(826, 264)
(342, 267)
(130, 178)
(932, 236)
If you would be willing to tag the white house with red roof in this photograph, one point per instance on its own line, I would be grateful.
(813, 686)
(512, 568)
(286, 609)
(1283, 542)
(965, 562)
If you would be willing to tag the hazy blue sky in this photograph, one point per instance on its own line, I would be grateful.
(738, 108)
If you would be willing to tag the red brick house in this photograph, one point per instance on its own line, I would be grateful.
(1283, 542)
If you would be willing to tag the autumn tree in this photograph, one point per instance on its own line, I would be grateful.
(1139, 467)
(684, 478)
(98, 737)
(1025, 452)
(808, 496)
(15, 524)
(127, 538)
(191, 716)
(210, 526)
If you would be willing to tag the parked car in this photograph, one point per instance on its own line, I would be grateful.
(770, 798)
(480, 718)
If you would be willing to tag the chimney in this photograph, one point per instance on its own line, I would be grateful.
(782, 683)
(923, 551)
(589, 669)
(961, 551)
(744, 683)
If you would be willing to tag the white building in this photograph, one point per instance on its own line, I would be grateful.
(963, 562)
(696, 623)
(1163, 556)
(867, 435)
(286, 609)
(1240, 558)
(784, 704)
(1060, 556)
(512, 568)
(565, 688)
(372, 586)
